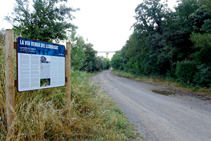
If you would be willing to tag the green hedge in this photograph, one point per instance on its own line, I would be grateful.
(185, 71)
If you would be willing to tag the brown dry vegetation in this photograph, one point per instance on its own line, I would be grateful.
(42, 114)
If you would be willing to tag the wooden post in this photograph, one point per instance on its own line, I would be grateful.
(10, 91)
(68, 73)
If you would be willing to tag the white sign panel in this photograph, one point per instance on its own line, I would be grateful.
(40, 65)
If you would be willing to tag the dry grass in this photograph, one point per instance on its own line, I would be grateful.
(170, 82)
(42, 114)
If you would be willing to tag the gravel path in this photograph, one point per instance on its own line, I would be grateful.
(158, 117)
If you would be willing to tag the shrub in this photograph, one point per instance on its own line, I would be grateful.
(203, 76)
(185, 71)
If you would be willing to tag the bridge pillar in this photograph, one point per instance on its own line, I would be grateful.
(107, 54)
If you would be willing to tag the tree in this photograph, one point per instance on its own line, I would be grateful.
(78, 55)
(99, 63)
(90, 58)
(45, 20)
(186, 7)
(149, 16)
(117, 61)
(2, 38)
(106, 64)
(149, 42)
(207, 3)
(171, 44)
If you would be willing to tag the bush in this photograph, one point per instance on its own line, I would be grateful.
(185, 71)
(117, 61)
(203, 76)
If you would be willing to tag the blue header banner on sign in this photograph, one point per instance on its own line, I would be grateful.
(40, 48)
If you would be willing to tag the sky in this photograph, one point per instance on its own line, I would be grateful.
(106, 23)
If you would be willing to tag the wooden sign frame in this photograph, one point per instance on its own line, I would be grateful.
(11, 83)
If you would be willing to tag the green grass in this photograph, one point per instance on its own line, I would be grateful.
(165, 81)
(43, 115)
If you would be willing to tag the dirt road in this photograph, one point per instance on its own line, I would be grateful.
(158, 117)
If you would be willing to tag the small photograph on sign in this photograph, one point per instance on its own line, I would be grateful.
(45, 59)
(45, 62)
(45, 82)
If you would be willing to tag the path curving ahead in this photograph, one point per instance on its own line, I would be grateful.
(158, 117)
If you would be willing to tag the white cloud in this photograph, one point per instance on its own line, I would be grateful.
(6, 8)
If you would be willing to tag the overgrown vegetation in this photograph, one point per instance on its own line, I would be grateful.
(43, 115)
(171, 44)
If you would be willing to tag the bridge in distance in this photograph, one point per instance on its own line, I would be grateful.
(107, 52)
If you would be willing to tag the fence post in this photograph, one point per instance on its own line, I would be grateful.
(10, 91)
(68, 73)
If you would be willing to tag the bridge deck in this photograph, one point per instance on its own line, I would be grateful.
(106, 51)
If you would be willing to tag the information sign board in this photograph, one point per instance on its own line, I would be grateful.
(40, 65)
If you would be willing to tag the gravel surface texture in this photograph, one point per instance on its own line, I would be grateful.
(159, 117)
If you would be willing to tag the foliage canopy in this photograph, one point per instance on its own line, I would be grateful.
(44, 20)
